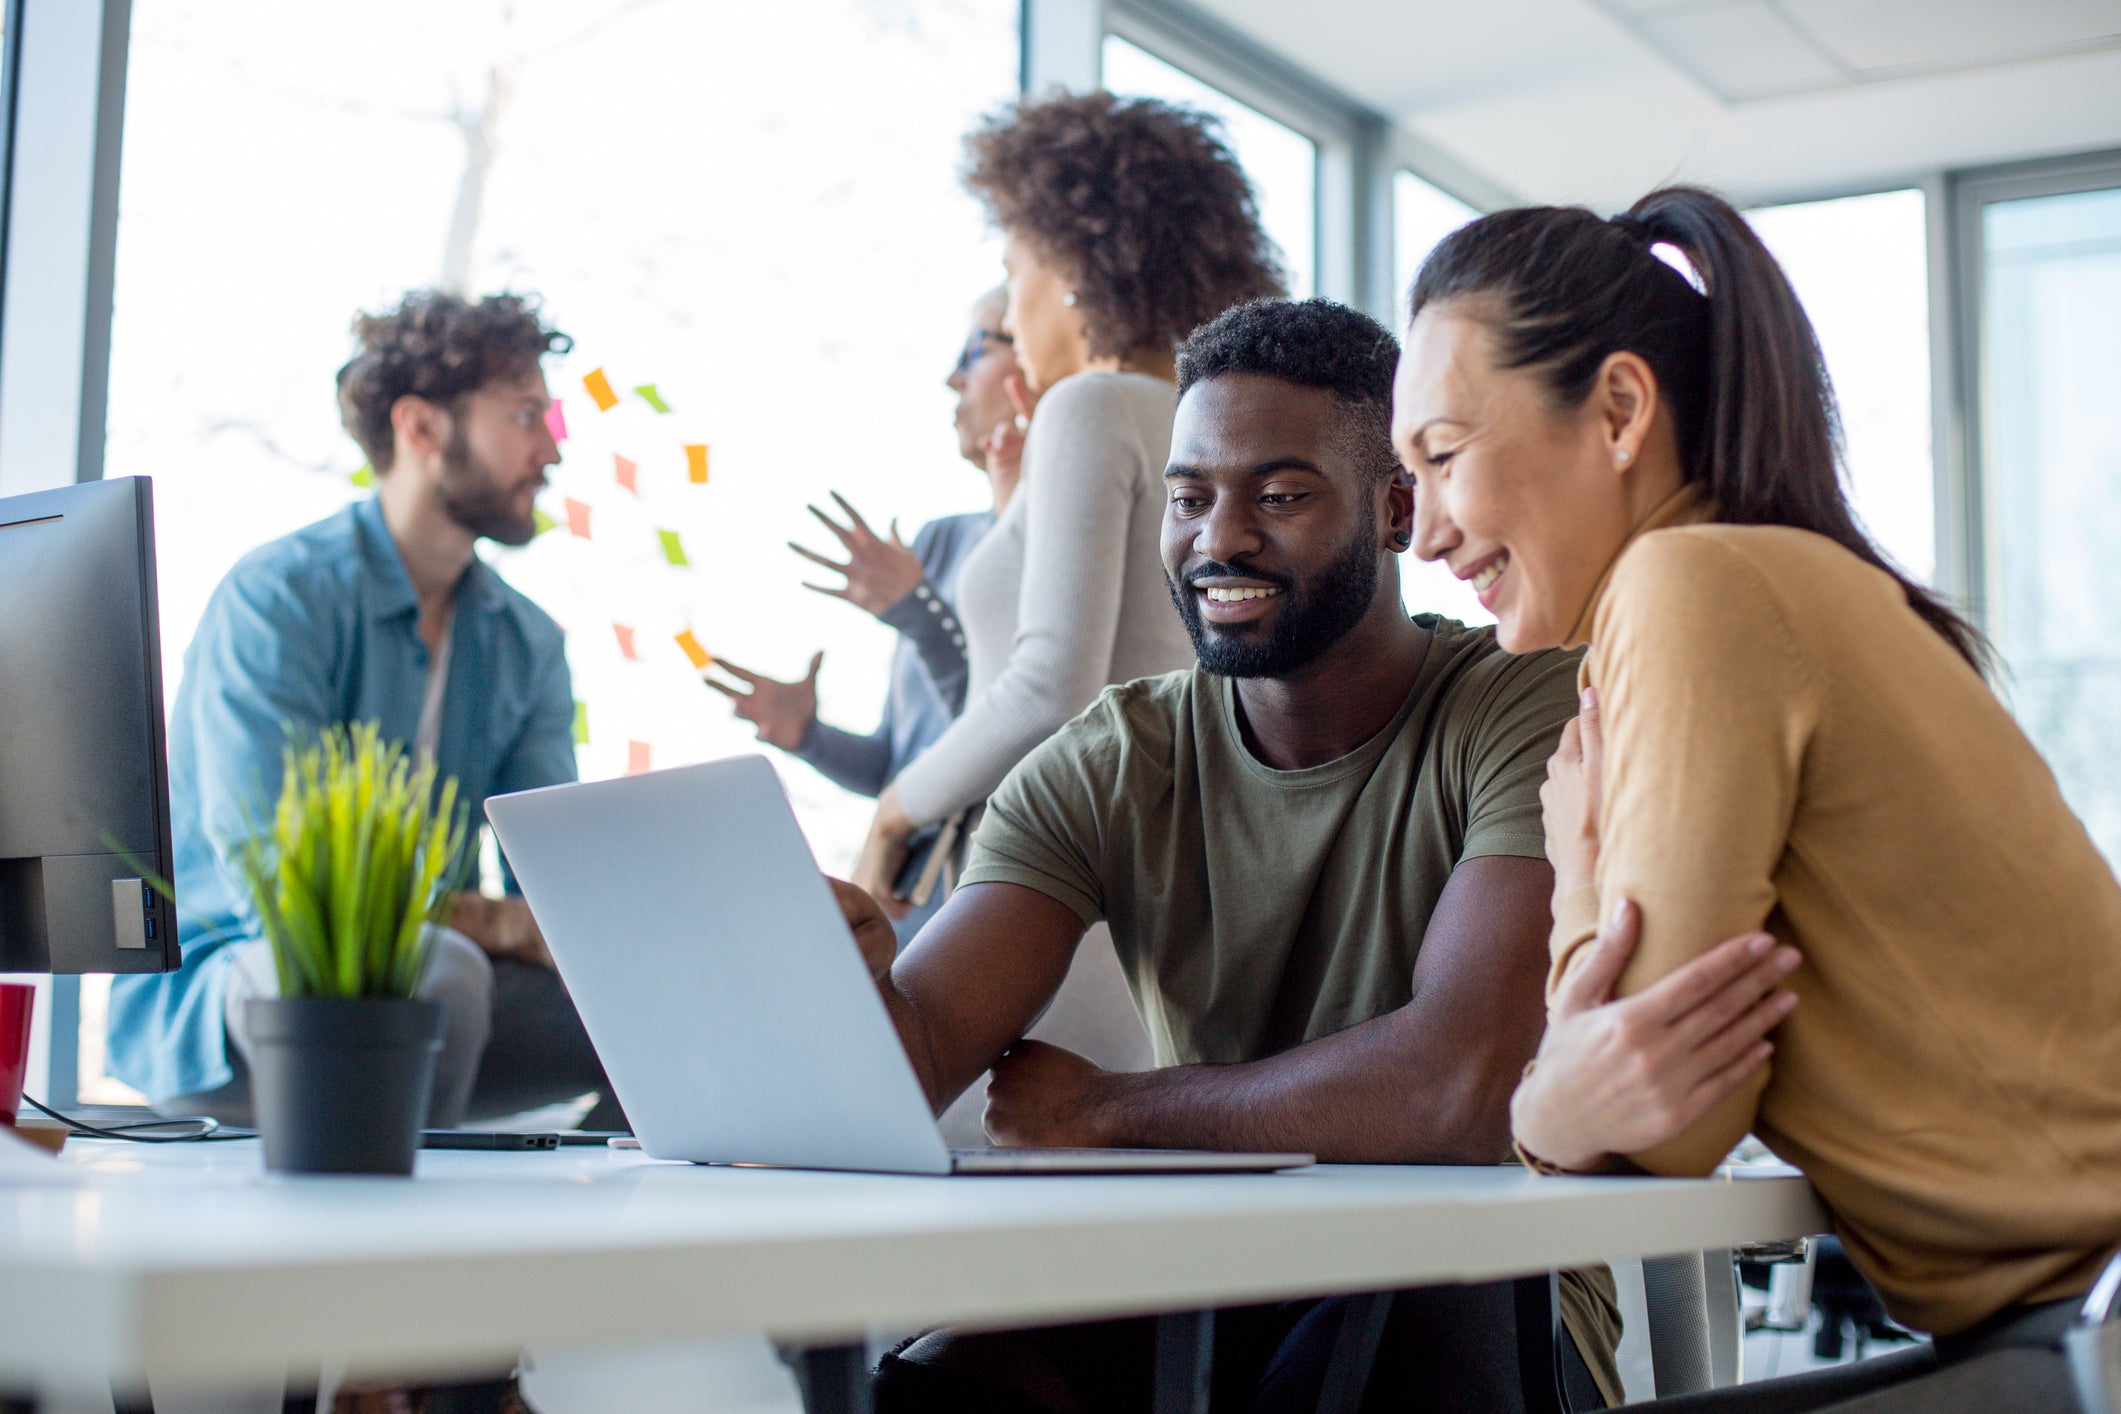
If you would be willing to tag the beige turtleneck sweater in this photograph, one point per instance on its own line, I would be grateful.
(1787, 744)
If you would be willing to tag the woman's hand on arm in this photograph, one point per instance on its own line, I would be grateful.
(1569, 800)
(1618, 1077)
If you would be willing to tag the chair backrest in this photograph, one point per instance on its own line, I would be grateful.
(1695, 1338)
(2094, 1344)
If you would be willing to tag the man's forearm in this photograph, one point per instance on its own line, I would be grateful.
(1354, 1097)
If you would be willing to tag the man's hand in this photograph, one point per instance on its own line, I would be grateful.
(879, 572)
(1620, 1077)
(1044, 1097)
(872, 931)
(502, 927)
(1569, 800)
(782, 711)
(884, 854)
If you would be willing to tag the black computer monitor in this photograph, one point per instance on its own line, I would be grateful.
(84, 778)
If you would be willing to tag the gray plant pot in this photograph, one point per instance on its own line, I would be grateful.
(341, 1085)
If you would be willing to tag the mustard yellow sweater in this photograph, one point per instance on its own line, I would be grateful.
(1789, 745)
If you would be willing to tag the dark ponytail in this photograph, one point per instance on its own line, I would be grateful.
(1737, 361)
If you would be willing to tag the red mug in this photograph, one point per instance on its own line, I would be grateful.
(16, 1002)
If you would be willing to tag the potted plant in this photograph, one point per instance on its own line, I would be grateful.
(358, 860)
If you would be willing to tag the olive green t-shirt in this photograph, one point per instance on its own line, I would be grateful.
(1256, 909)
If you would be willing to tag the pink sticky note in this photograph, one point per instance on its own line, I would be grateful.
(636, 758)
(557, 421)
(626, 642)
(577, 518)
(627, 471)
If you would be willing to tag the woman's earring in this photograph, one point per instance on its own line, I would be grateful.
(1620, 458)
(1068, 299)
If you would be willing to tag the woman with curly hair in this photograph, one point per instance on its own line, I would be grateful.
(1126, 223)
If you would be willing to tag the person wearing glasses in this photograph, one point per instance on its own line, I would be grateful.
(910, 587)
(1126, 224)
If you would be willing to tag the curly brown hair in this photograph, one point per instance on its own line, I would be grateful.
(1140, 202)
(436, 346)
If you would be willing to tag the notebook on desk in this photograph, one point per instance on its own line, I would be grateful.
(716, 978)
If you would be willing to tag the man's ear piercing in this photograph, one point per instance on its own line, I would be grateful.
(1404, 539)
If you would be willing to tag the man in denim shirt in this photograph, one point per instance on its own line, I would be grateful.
(382, 613)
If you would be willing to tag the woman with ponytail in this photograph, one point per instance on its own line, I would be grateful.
(1623, 435)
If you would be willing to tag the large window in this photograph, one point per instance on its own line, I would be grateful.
(2049, 366)
(753, 208)
(1422, 215)
(1282, 162)
(1860, 265)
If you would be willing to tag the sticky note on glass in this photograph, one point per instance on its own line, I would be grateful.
(696, 462)
(694, 650)
(599, 388)
(625, 637)
(581, 722)
(637, 757)
(651, 397)
(673, 548)
(364, 476)
(540, 522)
(556, 421)
(577, 518)
(627, 471)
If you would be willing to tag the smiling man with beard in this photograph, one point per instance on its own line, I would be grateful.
(382, 613)
(1321, 859)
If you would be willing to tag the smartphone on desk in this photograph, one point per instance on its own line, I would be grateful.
(486, 1139)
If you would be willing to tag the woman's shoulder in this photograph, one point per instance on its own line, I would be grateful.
(1717, 562)
(1097, 393)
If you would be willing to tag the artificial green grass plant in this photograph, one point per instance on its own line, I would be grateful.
(359, 858)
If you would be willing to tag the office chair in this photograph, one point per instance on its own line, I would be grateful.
(2094, 1344)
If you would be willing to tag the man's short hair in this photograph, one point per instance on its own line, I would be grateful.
(1314, 343)
(439, 347)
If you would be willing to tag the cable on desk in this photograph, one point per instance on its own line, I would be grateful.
(207, 1130)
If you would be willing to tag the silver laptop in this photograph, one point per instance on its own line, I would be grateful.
(717, 980)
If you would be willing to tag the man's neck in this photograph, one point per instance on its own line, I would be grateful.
(1341, 698)
(435, 549)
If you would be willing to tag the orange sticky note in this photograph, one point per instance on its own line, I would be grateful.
(637, 758)
(577, 518)
(625, 635)
(627, 471)
(698, 654)
(599, 388)
(696, 461)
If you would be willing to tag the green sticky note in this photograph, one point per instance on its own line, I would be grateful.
(673, 548)
(540, 522)
(581, 723)
(364, 477)
(651, 397)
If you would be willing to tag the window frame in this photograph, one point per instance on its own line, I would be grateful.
(1964, 497)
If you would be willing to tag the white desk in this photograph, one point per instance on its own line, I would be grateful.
(187, 1263)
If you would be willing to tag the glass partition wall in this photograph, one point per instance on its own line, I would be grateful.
(2043, 258)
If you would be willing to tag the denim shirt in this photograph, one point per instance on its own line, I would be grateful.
(313, 629)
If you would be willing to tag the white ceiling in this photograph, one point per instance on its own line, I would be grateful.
(1600, 100)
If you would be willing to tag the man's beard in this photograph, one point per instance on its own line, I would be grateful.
(474, 498)
(1310, 618)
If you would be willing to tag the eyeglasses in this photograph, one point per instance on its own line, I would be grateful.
(976, 347)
